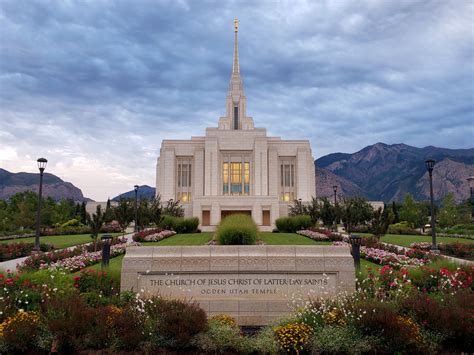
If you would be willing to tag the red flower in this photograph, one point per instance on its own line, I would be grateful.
(76, 285)
(76, 278)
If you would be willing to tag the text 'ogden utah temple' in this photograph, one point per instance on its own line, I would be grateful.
(235, 168)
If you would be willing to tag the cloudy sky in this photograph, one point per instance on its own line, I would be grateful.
(94, 86)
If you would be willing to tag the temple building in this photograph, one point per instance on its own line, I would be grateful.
(235, 167)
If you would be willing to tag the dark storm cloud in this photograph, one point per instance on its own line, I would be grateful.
(106, 81)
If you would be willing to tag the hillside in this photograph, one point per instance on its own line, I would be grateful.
(388, 172)
(144, 191)
(53, 186)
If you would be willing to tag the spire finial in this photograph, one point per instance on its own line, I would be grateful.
(236, 67)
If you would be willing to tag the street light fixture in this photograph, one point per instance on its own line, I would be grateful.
(471, 188)
(335, 202)
(106, 243)
(136, 187)
(41, 166)
(430, 163)
(356, 241)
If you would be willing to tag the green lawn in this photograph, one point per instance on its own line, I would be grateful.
(267, 237)
(288, 239)
(364, 266)
(184, 239)
(114, 269)
(59, 241)
(406, 240)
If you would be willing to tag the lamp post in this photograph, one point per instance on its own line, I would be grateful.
(355, 248)
(106, 242)
(136, 187)
(335, 201)
(430, 163)
(471, 188)
(41, 166)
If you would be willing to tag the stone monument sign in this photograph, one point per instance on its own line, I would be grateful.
(254, 284)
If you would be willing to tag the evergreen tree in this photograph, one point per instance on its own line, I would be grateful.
(96, 223)
(156, 210)
(355, 211)
(297, 208)
(313, 210)
(109, 212)
(124, 213)
(84, 216)
(447, 215)
(380, 222)
(173, 208)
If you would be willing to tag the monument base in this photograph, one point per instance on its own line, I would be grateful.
(254, 284)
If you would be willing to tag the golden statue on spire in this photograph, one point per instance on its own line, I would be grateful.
(236, 25)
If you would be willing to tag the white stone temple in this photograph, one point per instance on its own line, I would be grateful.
(235, 167)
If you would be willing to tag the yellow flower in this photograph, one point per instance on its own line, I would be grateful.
(14, 321)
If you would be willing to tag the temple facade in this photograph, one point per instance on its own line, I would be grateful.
(235, 167)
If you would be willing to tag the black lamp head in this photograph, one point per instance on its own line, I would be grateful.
(136, 187)
(430, 163)
(355, 239)
(42, 164)
(334, 188)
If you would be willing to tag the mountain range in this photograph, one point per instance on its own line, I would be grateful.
(387, 172)
(378, 172)
(53, 186)
(144, 191)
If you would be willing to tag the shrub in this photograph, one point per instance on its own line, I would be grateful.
(180, 224)
(68, 318)
(220, 336)
(330, 339)
(16, 329)
(99, 282)
(237, 229)
(293, 224)
(382, 320)
(402, 228)
(177, 320)
(293, 337)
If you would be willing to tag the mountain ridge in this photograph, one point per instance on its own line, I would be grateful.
(53, 186)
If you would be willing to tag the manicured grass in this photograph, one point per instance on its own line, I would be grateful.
(405, 240)
(364, 266)
(183, 239)
(288, 239)
(114, 269)
(59, 241)
(267, 237)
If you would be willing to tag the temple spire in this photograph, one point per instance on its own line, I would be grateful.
(236, 67)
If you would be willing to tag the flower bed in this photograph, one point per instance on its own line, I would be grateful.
(461, 250)
(313, 235)
(152, 235)
(85, 259)
(411, 310)
(37, 261)
(10, 251)
(320, 234)
(383, 257)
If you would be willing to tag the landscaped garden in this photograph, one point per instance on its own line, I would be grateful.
(407, 301)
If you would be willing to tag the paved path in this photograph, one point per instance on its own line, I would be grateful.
(12, 264)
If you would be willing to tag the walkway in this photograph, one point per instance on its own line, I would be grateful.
(13, 263)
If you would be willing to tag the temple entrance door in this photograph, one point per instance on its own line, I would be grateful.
(224, 214)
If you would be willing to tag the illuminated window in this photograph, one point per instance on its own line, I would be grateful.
(183, 178)
(287, 179)
(235, 174)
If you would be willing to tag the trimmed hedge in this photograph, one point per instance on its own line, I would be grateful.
(402, 228)
(237, 229)
(293, 224)
(180, 224)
